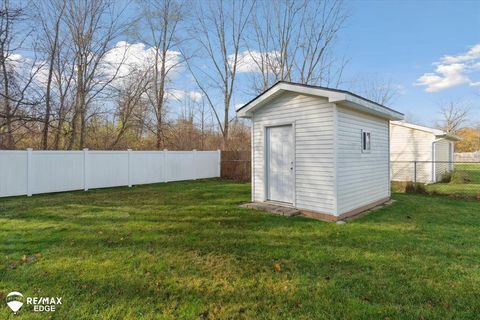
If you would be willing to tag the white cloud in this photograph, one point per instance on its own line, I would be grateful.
(182, 94)
(252, 61)
(445, 76)
(452, 71)
(472, 54)
(120, 61)
(25, 68)
(126, 57)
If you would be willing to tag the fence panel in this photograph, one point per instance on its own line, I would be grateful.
(437, 177)
(31, 172)
(467, 156)
(236, 165)
(147, 167)
(180, 166)
(54, 171)
(13, 173)
(208, 164)
(107, 169)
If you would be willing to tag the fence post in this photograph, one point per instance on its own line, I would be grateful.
(219, 162)
(165, 171)
(85, 169)
(129, 167)
(195, 174)
(29, 172)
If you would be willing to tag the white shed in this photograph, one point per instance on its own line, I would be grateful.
(323, 151)
(420, 153)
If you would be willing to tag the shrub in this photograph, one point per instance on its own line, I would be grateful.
(415, 188)
(446, 177)
(459, 177)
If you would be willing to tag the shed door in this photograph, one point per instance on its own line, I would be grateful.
(280, 163)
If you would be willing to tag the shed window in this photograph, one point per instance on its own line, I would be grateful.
(365, 141)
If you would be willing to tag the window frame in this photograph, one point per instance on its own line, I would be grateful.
(363, 141)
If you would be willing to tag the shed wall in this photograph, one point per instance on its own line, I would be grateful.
(314, 149)
(408, 145)
(363, 177)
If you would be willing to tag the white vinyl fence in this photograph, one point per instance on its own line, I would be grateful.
(467, 156)
(30, 172)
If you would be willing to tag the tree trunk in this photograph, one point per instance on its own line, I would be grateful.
(49, 86)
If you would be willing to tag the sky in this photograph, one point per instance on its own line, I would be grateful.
(426, 48)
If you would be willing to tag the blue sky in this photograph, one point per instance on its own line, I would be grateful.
(405, 42)
(401, 41)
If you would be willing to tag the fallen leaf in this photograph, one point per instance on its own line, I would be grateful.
(277, 267)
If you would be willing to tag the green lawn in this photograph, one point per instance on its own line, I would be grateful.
(470, 187)
(185, 251)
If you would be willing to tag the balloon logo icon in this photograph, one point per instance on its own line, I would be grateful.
(15, 301)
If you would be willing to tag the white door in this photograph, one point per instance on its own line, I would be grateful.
(280, 157)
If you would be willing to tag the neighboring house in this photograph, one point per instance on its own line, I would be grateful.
(321, 150)
(420, 153)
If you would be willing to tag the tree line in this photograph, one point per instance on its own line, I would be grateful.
(70, 77)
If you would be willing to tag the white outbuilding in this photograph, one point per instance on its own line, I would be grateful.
(323, 151)
(419, 153)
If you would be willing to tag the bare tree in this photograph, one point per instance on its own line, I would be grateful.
(19, 97)
(63, 81)
(294, 41)
(49, 15)
(454, 116)
(219, 30)
(93, 25)
(130, 96)
(379, 90)
(161, 19)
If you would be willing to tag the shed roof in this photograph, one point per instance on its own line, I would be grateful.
(341, 97)
(436, 132)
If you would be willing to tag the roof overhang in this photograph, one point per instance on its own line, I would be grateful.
(439, 134)
(448, 136)
(340, 97)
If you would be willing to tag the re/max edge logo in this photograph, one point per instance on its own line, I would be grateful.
(15, 301)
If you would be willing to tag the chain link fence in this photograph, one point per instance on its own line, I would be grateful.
(453, 178)
(236, 165)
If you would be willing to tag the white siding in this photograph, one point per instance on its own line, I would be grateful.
(408, 145)
(362, 177)
(314, 149)
(442, 153)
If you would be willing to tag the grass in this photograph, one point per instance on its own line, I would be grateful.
(186, 251)
(470, 171)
